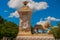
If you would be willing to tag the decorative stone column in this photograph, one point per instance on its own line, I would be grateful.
(25, 14)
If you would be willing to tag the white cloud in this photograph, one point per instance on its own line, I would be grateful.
(15, 3)
(15, 14)
(37, 5)
(52, 18)
(48, 19)
(42, 22)
(31, 4)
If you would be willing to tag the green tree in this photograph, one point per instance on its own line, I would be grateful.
(11, 30)
(59, 31)
(7, 28)
(2, 21)
(56, 32)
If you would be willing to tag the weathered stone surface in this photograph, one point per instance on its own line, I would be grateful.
(35, 38)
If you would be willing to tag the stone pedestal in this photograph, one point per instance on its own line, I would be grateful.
(35, 37)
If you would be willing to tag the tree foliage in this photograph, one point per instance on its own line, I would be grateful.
(7, 28)
(56, 32)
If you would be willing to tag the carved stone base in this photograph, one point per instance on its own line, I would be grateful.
(35, 37)
(24, 33)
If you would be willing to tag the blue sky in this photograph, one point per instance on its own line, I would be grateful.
(53, 11)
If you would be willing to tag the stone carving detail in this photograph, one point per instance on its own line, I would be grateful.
(43, 26)
(35, 38)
